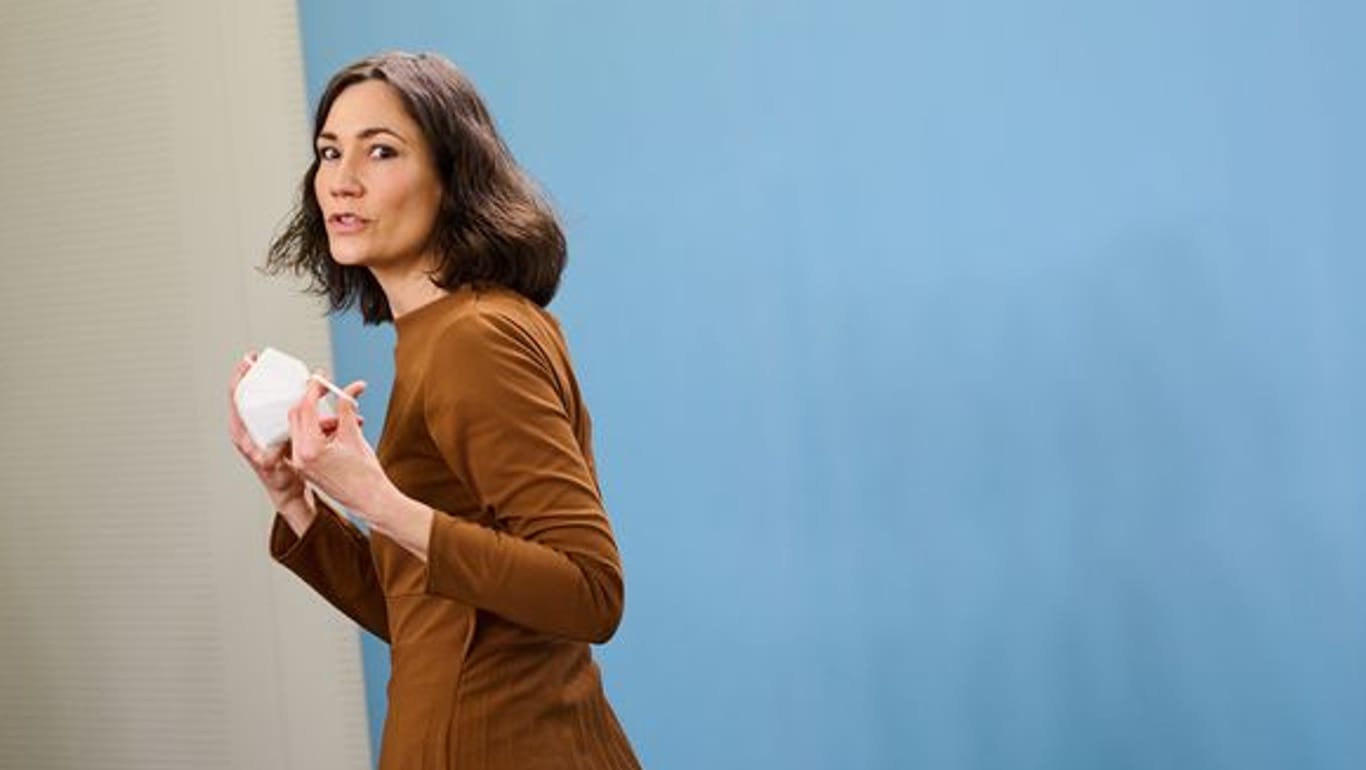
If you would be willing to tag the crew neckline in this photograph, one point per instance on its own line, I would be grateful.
(413, 318)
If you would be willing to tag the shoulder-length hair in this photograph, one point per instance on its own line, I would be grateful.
(493, 225)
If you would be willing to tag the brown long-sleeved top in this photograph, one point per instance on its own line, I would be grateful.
(489, 640)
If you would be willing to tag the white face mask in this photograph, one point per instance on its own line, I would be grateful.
(266, 393)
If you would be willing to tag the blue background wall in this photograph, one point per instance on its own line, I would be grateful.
(977, 384)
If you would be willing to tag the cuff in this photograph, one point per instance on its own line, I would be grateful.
(285, 546)
(444, 543)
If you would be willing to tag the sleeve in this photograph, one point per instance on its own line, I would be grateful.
(549, 561)
(333, 557)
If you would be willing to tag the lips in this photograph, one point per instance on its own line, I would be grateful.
(346, 222)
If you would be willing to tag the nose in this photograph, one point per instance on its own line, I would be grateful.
(344, 181)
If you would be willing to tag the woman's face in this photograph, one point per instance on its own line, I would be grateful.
(376, 184)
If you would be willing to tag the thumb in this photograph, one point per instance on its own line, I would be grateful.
(348, 409)
(348, 414)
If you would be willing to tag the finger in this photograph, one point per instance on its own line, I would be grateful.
(235, 424)
(236, 428)
(329, 424)
(349, 418)
(299, 443)
(243, 443)
(249, 451)
(303, 422)
(308, 405)
(273, 457)
(354, 390)
(296, 446)
(237, 431)
(245, 449)
(347, 408)
(240, 369)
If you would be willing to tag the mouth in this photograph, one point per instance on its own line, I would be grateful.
(346, 222)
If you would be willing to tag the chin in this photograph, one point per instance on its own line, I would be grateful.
(349, 257)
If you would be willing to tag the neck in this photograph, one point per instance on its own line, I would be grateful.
(407, 290)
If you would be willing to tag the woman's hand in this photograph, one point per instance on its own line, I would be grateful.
(339, 462)
(333, 455)
(282, 483)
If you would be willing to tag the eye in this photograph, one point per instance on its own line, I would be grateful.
(382, 151)
(328, 152)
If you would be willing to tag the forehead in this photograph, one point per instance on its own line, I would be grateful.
(366, 104)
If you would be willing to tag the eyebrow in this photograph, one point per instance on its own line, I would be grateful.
(366, 133)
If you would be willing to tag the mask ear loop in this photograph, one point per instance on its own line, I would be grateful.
(336, 391)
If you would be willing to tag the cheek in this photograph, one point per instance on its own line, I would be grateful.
(422, 201)
(432, 208)
(319, 188)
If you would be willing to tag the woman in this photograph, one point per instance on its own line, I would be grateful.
(489, 565)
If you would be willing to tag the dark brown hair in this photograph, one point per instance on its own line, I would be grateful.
(493, 226)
